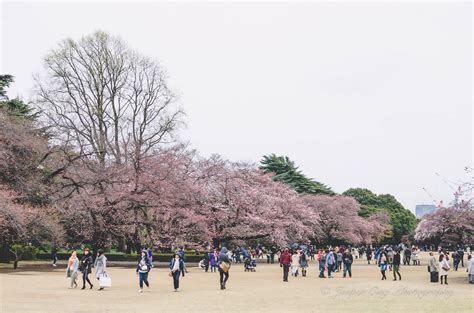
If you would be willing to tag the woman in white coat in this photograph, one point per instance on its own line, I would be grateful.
(295, 263)
(470, 268)
(443, 268)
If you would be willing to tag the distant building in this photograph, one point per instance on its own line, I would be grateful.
(423, 209)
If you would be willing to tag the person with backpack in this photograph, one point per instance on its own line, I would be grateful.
(224, 267)
(143, 268)
(347, 259)
(176, 267)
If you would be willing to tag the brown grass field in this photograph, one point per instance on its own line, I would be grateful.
(44, 289)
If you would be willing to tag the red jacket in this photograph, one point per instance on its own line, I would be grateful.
(285, 258)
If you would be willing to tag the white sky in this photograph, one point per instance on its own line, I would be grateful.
(375, 95)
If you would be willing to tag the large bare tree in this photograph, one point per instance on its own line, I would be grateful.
(106, 100)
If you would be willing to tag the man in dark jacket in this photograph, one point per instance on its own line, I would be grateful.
(285, 261)
(347, 259)
(396, 266)
(85, 267)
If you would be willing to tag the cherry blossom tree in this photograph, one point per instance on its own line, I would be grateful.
(340, 223)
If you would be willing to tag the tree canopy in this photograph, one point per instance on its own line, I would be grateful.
(285, 170)
(402, 220)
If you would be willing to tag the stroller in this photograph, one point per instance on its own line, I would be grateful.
(250, 264)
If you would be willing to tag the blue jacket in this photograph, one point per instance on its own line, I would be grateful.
(181, 264)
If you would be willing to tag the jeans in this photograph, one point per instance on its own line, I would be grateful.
(143, 278)
(347, 269)
(85, 277)
(396, 270)
(286, 269)
(176, 279)
(330, 269)
(321, 270)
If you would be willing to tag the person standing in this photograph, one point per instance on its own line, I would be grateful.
(176, 267)
(396, 265)
(86, 265)
(285, 261)
(443, 268)
(213, 261)
(206, 262)
(347, 259)
(368, 253)
(224, 267)
(143, 268)
(72, 268)
(322, 264)
(330, 261)
(382, 262)
(470, 269)
(455, 256)
(433, 268)
(339, 260)
(461, 256)
(100, 266)
(390, 255)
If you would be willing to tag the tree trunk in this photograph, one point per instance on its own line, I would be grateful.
(15, 264)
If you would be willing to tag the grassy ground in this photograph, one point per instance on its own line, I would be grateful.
(39, 289)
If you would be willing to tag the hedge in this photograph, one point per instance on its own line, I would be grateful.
(159, 257)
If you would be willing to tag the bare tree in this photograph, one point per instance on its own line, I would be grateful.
(106, 99)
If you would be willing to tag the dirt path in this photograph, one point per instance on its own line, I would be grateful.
(263, 291)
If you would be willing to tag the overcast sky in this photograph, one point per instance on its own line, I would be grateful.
(375, 95)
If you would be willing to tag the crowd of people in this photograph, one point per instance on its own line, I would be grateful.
(294, 260)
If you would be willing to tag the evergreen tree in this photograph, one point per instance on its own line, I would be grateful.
(287, 172)
(14, 106)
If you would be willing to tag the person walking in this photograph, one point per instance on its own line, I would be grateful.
(330, 261)
(72, 268)
(54, 255)
(285, 261)
(396, 265)
(322, 264)
(295, 263)
(433, 268)
(176, 267)
(86, 268)
(347, 259)
(303, 263)
(443, 268)
(224, 267)
(100, 266)
(382, 262)
(143, 268)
